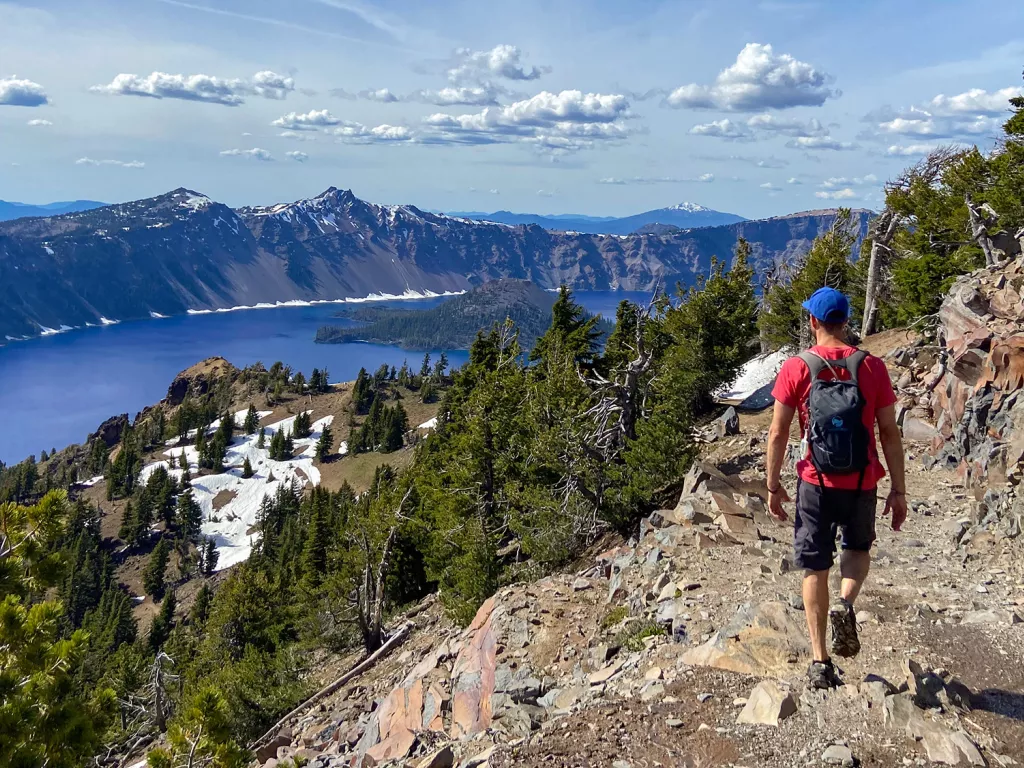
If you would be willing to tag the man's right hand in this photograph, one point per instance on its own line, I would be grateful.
(897, 504)
(775, 501)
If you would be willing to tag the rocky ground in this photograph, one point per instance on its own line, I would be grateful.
(687, 646)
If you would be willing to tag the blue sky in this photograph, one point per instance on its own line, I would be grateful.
(757, 107)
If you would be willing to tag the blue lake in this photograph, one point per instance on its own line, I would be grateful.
(56, 390)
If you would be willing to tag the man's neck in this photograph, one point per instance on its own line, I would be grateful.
(823, 339)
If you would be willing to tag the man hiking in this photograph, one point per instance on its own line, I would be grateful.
(841, 393)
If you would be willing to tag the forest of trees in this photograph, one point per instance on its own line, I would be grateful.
(534, 457)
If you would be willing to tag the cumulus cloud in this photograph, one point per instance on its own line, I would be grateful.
(21, 93)
(839, 182)
(475, 96)
(819, 142)
(911, 150)
(760, 126)
(838, 194)
(118, 163)
(306, 121)
(356, 133)
(206, 88)
(503, 61)
(704, 178)
(39, 122)
(759, 79)
(771, 187)
(565, 121)
(794, 181)
(495, 191)
(252, 154)
(297, 136)
(968, 115)
(545, 193)
(760, 162)
(382, 95)
(299, 157)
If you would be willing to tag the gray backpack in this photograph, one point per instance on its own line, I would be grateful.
(836, 435)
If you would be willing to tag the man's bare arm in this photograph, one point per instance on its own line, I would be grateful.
(778, 439)
(892, 446)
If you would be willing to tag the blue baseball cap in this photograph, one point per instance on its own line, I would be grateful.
(828, 305)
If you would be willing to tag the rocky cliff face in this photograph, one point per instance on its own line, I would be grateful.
(182, 251)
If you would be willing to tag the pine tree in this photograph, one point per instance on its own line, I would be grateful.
(210, 556)
(247, 468)
(425, 367)
(129, 522)
(362, 392)
(302, 426)
(201, 736)
(440, 367)
(299, 382)
(201, 607)
(276, 450)
(428, 392)
(163, 622)
(189, 516)
(571, 329)
(156, 568)
(252, 420)
(324, 444)
(262, 441)
(186, 476)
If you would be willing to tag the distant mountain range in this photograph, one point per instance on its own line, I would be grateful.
(453, 324)
(682, 215)
(182, 252)
(10, 210)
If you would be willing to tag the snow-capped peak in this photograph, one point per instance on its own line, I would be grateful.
(688, 207)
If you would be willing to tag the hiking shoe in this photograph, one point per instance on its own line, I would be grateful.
(823, 675)
(845, 642)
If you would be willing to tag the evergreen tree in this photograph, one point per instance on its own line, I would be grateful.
(262, 441)
(44, 456)
(129, 524)
(189, 516)
(302, 426)
(324, 444)
(210, 557)
(160, 629)
(299, 382)
(428, 392)
(404, 374)
(252, 420)
(425, 367)
(201, 736)
(571, 329)
(277, 445)
(186, 476)
(440, 367)
(201, 607)
(216, 452)
(362, 392)
(247, 468)
(156, 568)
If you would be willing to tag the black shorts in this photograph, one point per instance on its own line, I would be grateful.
(819, 516)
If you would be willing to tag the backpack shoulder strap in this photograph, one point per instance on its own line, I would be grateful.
(853, 363)
(814, 363)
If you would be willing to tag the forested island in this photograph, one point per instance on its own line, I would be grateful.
(455, 323)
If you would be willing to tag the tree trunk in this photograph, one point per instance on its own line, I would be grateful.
(979, 230)
(883, 230)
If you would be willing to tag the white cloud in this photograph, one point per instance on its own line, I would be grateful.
(296, 136)
(21, 93)
(969, 115)
(723, 129)
(382, 95)
(205, 88)
(299, 157)
(495, 191)
(118, 163)
(504, 61)
(704, 178)
(839, 182)
(771, 187)
(306, 121)
(911, 150)
(794, 181)
(759, 79)
(760, 126)
(819, 142)
(557, 122)
(252, 154)
(839, 194)
(545, 193)
(476, 96)
(976, 101)
(357, 133)
(39, 122)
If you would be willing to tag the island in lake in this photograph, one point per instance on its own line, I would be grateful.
(455, 323)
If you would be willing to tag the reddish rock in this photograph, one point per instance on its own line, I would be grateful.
(473, 676)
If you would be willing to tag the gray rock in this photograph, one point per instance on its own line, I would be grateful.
(768, 704)
(728, 423)
(838, 754)
(581, 584)
(440, 758)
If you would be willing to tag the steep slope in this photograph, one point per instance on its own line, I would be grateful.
(182, 251)
(683, 215)
(11, 210)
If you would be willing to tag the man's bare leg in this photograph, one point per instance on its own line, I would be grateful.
(815, 589)
(854, 567)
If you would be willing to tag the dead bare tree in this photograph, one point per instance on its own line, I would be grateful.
(882, 231)
(997, 244)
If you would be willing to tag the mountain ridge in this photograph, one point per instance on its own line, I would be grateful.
(685, 215)
(12, 210)
(182, 251)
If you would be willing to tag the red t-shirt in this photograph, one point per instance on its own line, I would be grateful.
(793, 385)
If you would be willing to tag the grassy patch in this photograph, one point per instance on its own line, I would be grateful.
(632, 637)
(613, 617)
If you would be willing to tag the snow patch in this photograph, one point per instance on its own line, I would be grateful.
(757, 374)
(428, 424)
(91, 481)
(157, 315)
(230, 526)
(105, 321)
(48, 249)
(408, 295)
